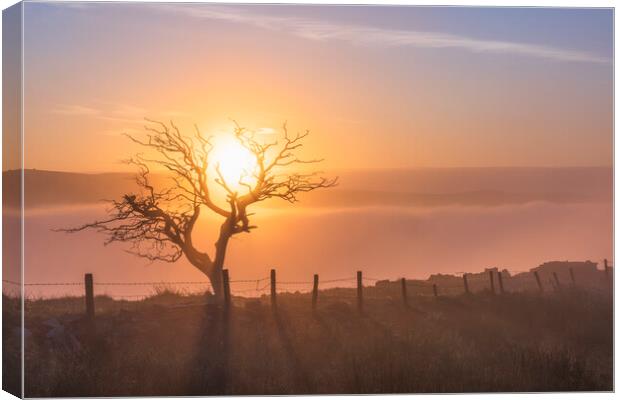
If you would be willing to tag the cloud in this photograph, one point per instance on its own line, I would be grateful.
(319, 30)
(74, 109)
(106, 111)
(127, 115)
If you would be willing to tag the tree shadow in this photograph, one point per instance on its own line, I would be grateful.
(209, 370)
(332, 339)
(300, 373)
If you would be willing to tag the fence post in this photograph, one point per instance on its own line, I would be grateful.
(572, 276)
(500, 280)
(606, 269)
(492, 281)
(540, 287)
(434, 289)
(315, 291)
(226, 286)
(90, 295)
(359, 291)
(556, 280)
(273, 288)
(465, 284)
(403, 284)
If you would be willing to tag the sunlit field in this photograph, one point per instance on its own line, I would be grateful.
(481, 343)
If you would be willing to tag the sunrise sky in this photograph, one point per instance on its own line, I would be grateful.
(378, 86)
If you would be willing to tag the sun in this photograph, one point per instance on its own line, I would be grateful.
(236, 163)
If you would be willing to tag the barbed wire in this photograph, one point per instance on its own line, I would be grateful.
(339, 280)
(44, 283)
(151, 283)
(249, 280)
(257, 281)
(258, 289)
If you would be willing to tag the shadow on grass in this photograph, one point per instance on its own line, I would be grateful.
(285, 333)
(209, 370)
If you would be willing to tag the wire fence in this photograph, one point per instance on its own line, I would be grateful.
(442, 284)
(240, 287)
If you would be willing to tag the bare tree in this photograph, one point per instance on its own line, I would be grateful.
(159, 222)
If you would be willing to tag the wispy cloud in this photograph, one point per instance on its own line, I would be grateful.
(75, 109)
(127, 116)
(106, 111)
(319, 30)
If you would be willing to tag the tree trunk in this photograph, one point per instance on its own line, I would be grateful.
(212, 269)
(215, 277)
(215, 274)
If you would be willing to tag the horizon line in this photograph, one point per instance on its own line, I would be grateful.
(348, 169)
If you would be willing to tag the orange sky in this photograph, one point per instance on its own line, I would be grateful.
(543, 99)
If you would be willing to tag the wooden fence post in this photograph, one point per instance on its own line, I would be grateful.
(403, 284)
(500, 280)
(273, 287)
(226, 287)
(572, 276)
(540, 287)
(90, 296)
(435, 290)
(315, 291)
(556, 280)
(360, 301)
(465, 284)
(492, 281)
(606, 269)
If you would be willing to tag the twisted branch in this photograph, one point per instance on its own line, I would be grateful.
(159, 223)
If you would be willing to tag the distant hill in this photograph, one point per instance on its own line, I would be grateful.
(358, 188)
(594, 181)
(50, 188)
(585, 273)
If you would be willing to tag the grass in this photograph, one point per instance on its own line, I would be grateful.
(484, 343)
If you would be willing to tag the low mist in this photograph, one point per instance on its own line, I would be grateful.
(384, 242)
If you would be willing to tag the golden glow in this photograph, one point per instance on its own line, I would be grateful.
(236, 164)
